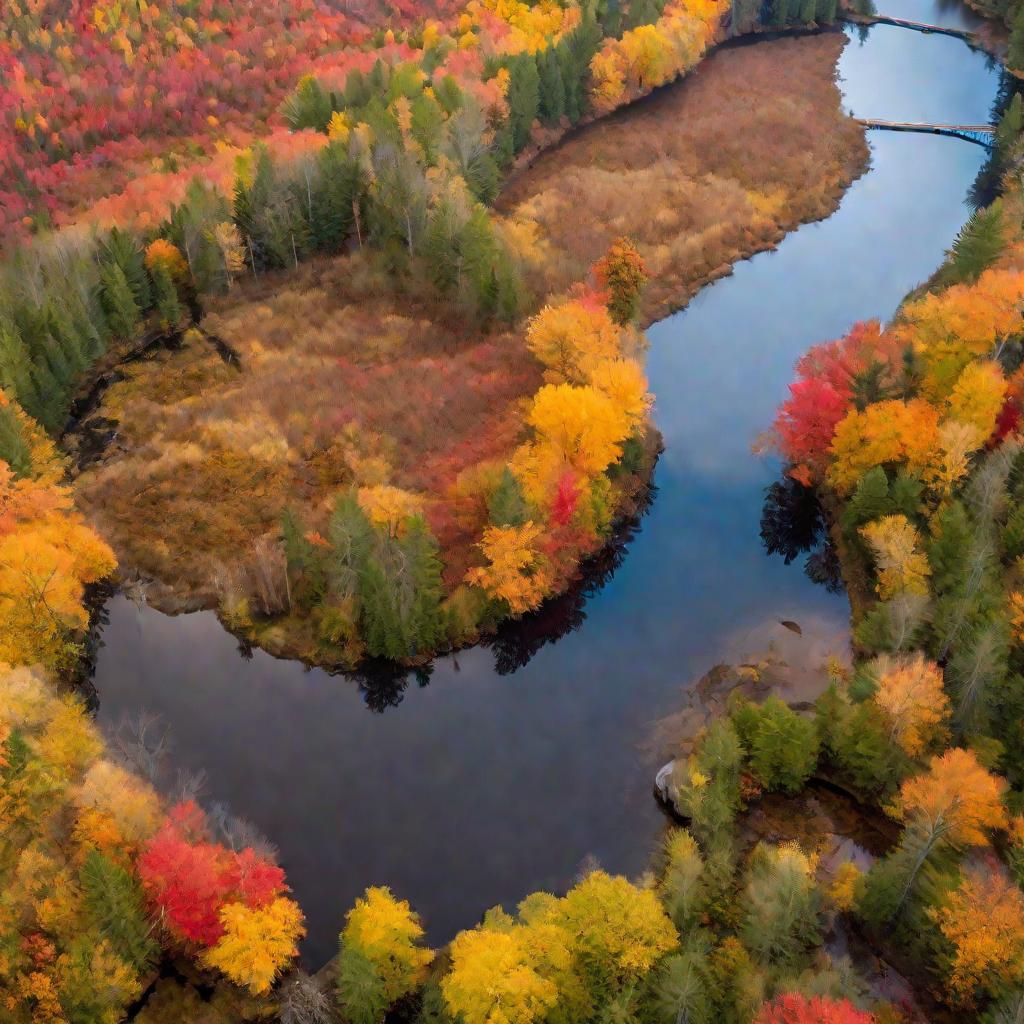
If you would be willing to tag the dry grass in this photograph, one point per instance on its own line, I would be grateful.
(700, 175)
(339, 382)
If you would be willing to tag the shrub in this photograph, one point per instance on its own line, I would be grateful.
(782, 745)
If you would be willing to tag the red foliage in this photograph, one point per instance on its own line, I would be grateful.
(90, 94)
(821, 395)
(796, 1009)
(567, 494)
(188, 878)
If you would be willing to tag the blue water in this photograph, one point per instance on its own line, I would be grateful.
(482, 786)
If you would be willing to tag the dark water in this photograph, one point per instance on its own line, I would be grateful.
(486, 784)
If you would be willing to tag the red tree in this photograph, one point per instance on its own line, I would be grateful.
(796, 1009)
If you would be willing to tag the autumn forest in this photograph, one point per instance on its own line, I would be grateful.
(376, 337)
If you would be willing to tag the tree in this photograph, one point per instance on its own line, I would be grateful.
(783, 746)
(523, 98)
(506, 505)
(494, 979)
(517, 570)
(1015, 53)
(118, 302)
(956, 797)
(911, 696)
(902, 566)
(385, 936)
(114, 901)
(781, 905)
(681, 888)
(978, 244)
(256, 943)
(571, 338)
(622, 929)
(984, 921)
(623, 274)
(793, 1008)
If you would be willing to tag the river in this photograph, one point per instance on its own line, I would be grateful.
(505, 771)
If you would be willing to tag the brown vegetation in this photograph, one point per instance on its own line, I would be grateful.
(679, 175)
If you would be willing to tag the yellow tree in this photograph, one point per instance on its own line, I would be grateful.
(624, 383)
(911, 696)
(516, 571)
(387, 933)
(956, 443)
(494, 979)
(258, 942)
(885, 432)
(389, 506)
(902, 566)
(570, 337)
(582, 423)
(956, 799)
(977, 396)
(984, 921)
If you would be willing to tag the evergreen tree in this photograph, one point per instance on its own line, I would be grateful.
(118, 301)
(166, 294)
(309, 106)
(826, 12)
(424, 625)
(13, 449)
(977, 246)
(361, 994)
(523, 98)
(114, 901)
(122, 250)
(331, 193)
(552, 88)
(1015, 53)
(506, 505)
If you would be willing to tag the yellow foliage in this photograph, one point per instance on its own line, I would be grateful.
(984, 921)
(389, 506)
(956, 797)
(624, 383)
(886, 432)
(911, 696)
(387, 932)
(977, 396)
(571, 337)
(116, 813)
(582, 423)
(843, 889)
(956, 443)
(516, 570)
(902, 566)
(494, 979)
(258, 942)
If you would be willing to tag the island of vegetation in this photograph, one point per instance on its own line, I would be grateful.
(365, 232)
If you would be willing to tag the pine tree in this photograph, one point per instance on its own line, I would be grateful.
(16, 376)
(1015, 53)
(118, 302)
(13, 449)
(826, 12)
(552, 88)
(506, 505)
(978, 244)
(166, 294)
(122, 250)
(114, 901)
(424, 626)
(523, 98)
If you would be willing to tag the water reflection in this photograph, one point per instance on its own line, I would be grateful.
(520, 759)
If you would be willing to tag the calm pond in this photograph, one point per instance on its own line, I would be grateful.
(518, 761)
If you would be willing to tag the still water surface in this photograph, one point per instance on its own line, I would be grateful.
(488, 783)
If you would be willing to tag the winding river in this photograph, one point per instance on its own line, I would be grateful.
(509, 765)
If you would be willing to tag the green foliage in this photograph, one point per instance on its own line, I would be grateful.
(123, 314)
(506, 505)
(309, 106)
(115, 904)
(781, 906)
(166, 296)
(709, 792)
(360, 989)
(523, 98)
(681, 889)
(13, 448)
(681, 985)
(782, 745)
(976, 247)
(856, 742)
(120, 249)
(1015, 53)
